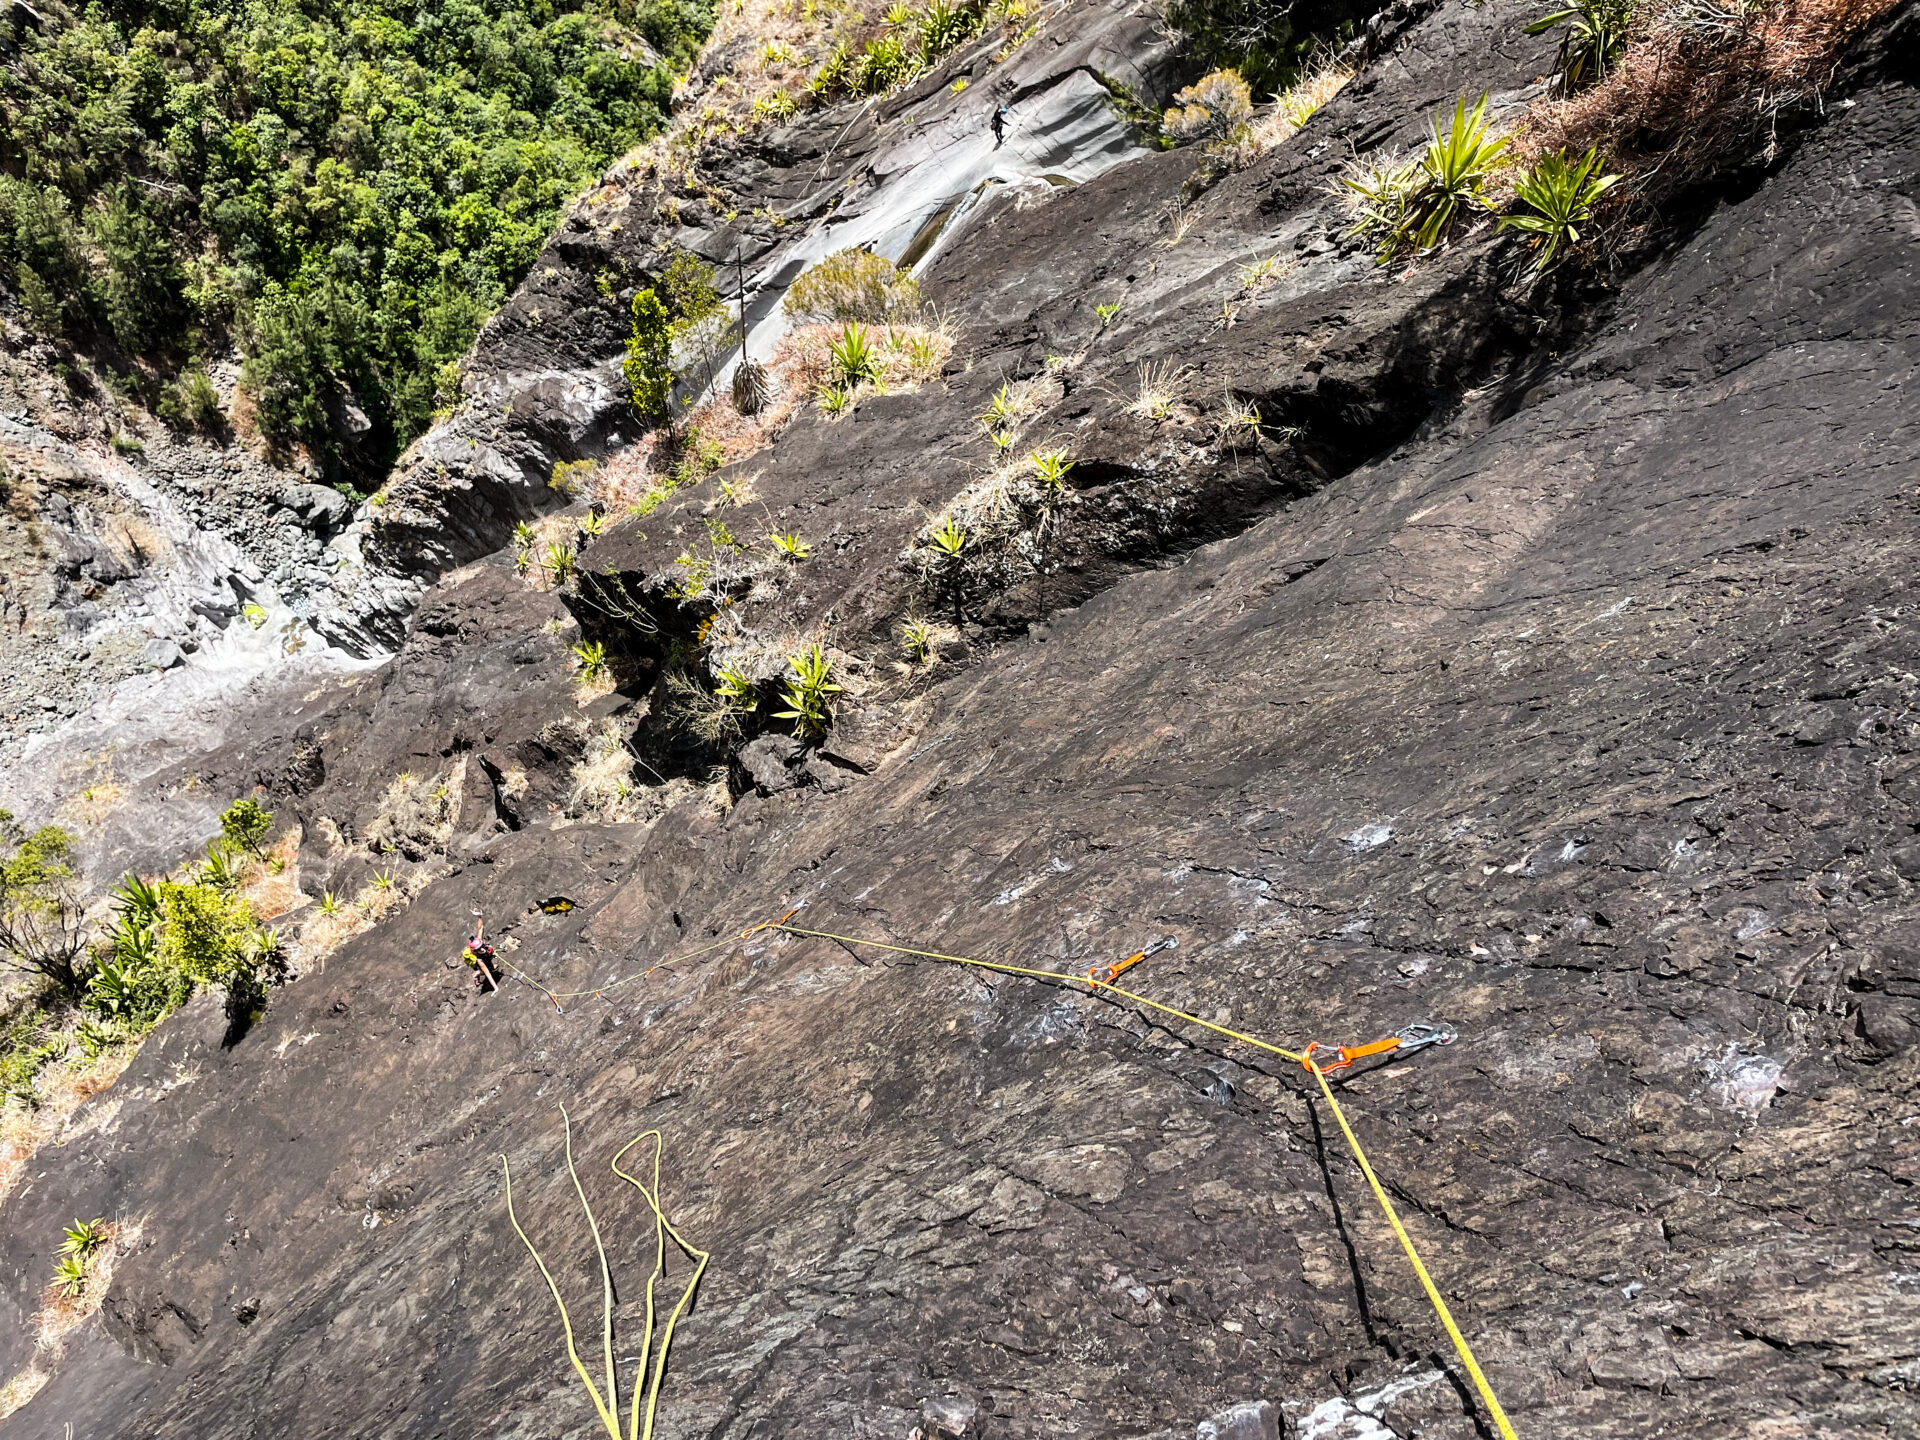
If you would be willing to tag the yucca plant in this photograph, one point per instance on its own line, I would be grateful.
(1562, 196)
(791, 546)
(835, 400)
(916, 638)
(1413, 206)
(221, 869)
(1050, 469)
(806, 698)
(83, 1237)
(950, 539)
(1107, 312)
(383, 880)
(330, 903)
(1458, 163)
(70, 1276)
(1000, 411)
(592, 524)
(1596, 34)
(734, 687)
(943, 26)
(592, 655)
(137, 903)
(560, 562)
(851, 355)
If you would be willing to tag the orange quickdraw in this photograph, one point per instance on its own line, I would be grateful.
(1413, 1037)
(753, 930)
(1107, 974)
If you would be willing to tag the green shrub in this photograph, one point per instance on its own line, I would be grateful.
(806, 698)
(1214, 109)
(144, 281)
(246, 822)
(1596, 34)
(854, 285)
(42, 923)
(191, 403)
(700, 456)
(649, 362)
(412, 159)
(1562, 197)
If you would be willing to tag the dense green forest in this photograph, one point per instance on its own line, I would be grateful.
(345, 188)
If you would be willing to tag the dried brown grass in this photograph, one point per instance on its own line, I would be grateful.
(61, 1089)
(1701, 86)
(62, 1314)
(22, 1388)
(276, 893)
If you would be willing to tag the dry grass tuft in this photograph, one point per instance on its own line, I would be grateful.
(62, 1314)
(1153, 401)
(22, 1388)
(325, 932)
(1701, 86)
(275, 892)
(418, 814)
(60, 1090)
(906, 356)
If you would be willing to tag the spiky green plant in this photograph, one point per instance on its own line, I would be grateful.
(592, 524)
(851, 356)
(383, 880)
(806, 696)
(652, 1364)
(916, 638)
(83, 1237)
(950, 539)
(835, 400)
(734, 687)
(1596, 34)
(592, 655)
(136, 902)
(1413, 207)
(70, 1276)
(790, 545)
(1107, 312)
(1002, 410)
(330, 903)
(1050, 469)
(1562, 197)
(560, 562)
(221, 869)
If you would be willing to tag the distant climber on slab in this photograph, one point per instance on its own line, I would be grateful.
(478, 953)
(999, 123)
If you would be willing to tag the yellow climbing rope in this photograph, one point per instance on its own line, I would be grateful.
(556, 996)
(1094, 984)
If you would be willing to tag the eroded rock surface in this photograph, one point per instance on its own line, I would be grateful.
(1553, 682)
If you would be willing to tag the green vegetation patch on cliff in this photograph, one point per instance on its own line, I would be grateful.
(345, 187)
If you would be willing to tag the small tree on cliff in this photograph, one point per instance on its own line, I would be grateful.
(649, 363)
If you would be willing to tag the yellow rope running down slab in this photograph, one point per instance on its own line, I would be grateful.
(1460, 1345)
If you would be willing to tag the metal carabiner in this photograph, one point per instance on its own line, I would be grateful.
(1422, 1033)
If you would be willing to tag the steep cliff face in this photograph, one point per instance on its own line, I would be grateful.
(1535, 665)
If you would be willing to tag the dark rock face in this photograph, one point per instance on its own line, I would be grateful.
(1576, 711)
